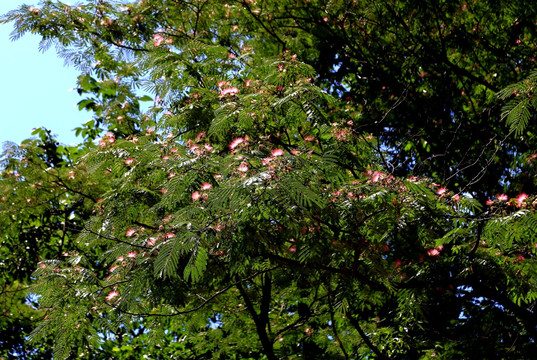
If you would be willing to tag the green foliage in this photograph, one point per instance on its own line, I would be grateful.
(300, 186)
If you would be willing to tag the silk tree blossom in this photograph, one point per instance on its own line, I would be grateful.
(169, 235)
(456, 198)
(206, 186)
(196, 196)
(171, 174)
(208, 147)
(151, 242)
(158, 40)
(243, 167)
(236, 142)
(231, 91)
(435, 251)
(222, 83)
(132, 254)
(112, 294)
(376, 176)
(502, 197)
(441, 191)
(248, 83)
(521, 199)
(129, 161)
(120, 259)
(113, 268)
(276, 152)
(108, 138)
(130, 232)
(489, 202)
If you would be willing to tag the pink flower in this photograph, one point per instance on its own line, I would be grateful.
(456, 198)
(222, 83)
(112, 294)
(130, 232)
(248, 83)
(520, 199)
(169, 236)
(236, 143)
(208, 147)
(171, 174)
(120, 259)
(196, 196)
(266, 161)
(129, 161)
(309, 138)
(531, 157)
(433, 252)
(276, 152)
(113, 268)
(502, 197)
(397, 263)
(157, 40)
(441, 191)
(489, 202)
(376, 176)
(151, 242)
(206, 186)
(243, 167)
(132, 254)
(232, 91)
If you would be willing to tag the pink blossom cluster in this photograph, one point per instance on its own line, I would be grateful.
(231, 91)
(236, 142)
(197, 195)
(519, 201)
(435, 251)
(199, 149)
(159, 40)
(108, 138)
(346, 194)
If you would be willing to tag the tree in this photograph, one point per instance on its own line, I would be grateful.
(302, 175)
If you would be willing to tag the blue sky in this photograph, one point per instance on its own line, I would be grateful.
(35, 87)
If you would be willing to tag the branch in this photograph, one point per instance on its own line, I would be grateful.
(208, 300)
(347, 272)
(364, 337)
